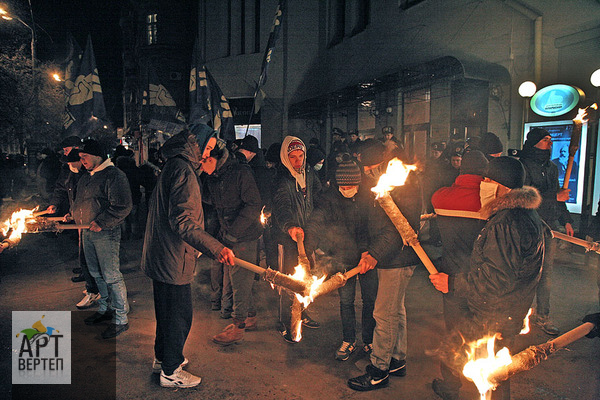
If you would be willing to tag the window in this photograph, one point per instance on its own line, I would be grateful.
(406, 4)
(151, 29)
(336, 21)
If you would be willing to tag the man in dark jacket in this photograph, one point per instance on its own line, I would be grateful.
(174, 238)
(395, 264)
(542, 174)
(460, 221)
(296, 187)
(103, 201)
(65, 192)
(505, 267)
(337, 227)
(233, 193)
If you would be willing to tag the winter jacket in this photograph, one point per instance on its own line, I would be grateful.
(232, 191)
(543, 175)
(337, 226)
(459, 220)
(103, 197)
(506, 263)
(384, 242)
(290, 206)
(175, 226)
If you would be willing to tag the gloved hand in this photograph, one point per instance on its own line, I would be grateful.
(594, 319)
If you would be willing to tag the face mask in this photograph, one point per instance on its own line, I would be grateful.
(73, 169)
(318, 167)
(487, 192)
(350, 193)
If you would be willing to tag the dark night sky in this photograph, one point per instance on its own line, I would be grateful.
(98, 18)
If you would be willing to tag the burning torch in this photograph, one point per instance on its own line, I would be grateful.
(396, 175)
(574, 144)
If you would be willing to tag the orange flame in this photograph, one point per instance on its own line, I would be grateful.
(525, 329)
(479, 369)
(263, 217)
(315, 282)
(395, 175)
(16, 224)
(582, 113)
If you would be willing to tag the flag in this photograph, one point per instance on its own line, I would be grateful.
(259, 94)
(73, 62)
(159, 110)
(208, 105)
(86, 103)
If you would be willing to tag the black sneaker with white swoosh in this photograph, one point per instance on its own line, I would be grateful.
(373, 379)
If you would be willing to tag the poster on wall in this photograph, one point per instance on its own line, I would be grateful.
(561, 132)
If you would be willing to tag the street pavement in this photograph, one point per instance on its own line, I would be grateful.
(35, 275)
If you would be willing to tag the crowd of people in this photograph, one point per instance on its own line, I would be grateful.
(205, 196)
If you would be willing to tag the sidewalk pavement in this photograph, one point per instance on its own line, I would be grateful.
(36, 276)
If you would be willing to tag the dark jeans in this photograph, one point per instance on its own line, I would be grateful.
(90, 282)
(174, 312)
(368, 293)
(544, 287)
(221, 290)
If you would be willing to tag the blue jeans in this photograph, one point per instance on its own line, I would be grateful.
(368, 293)
(102, 256)
(390, 335)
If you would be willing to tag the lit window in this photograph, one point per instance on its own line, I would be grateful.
(151, 28)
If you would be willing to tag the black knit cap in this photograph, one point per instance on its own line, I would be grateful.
(71, 141)
(314, 155)
(371, 152)
(534, 136)
(473, 162)
(250, 143)
(94, 148)
(347, 173)
(507, 171)
(73, 156)
(490, 143)
(273, 153)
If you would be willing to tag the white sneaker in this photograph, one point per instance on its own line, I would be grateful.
(89, 300)
(179, 378)
(157, 365)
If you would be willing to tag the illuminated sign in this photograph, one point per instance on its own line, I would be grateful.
(555, 100)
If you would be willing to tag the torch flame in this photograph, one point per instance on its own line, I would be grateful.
(395, 175)
(478, 370)
(582, 113)
(264, 217)
(16, 224)
(525, 329)
(315, 282)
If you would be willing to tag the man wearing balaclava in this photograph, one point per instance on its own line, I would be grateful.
(174, 238)
(542, 174)
(296, 187)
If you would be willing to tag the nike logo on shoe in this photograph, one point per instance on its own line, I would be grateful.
(376, 381)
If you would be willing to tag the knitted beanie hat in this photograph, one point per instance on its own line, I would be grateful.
(490, 143)
(347, 174)
(473, 162)
(507, 171)
(296, 144)
(94, 148)
(534, 136)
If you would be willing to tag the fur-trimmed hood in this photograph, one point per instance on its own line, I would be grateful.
(526, 197)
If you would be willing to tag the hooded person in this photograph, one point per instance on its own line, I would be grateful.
(174, 238)
(505, 266)
(232, 191)
(296, 188)
(542, 174)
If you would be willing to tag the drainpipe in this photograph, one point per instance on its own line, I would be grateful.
(538, 50)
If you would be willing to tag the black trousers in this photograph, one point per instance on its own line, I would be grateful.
(174, 312)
